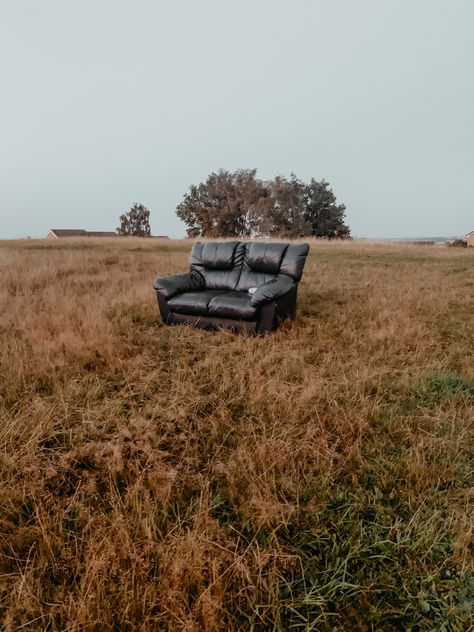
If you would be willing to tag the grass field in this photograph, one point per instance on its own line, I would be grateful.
(167, 478)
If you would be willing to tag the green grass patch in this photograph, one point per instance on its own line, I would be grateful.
(437, 388)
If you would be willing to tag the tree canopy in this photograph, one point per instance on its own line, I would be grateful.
(135, 222)
(238, 204)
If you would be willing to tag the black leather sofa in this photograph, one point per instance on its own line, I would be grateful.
(215, 292)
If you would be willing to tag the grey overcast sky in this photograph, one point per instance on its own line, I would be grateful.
(104, 103)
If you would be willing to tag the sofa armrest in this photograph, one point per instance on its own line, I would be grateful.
(272, 290)
(173, 284)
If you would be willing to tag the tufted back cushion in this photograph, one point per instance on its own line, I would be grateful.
(218, 256)
(263, 257)
(235, 265)
(261, 264)
(219, 263)
(293, 260)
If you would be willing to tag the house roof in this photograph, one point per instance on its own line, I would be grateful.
(471, 233)
(100, 233)
(68, 232)
(80, 232)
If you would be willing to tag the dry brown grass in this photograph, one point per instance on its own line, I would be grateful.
(157, 478)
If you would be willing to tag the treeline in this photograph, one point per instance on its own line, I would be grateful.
(238, 204)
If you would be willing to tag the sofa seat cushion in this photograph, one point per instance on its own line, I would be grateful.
(193, 302)
(232, 305)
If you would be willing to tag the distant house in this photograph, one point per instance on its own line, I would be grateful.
(56, 233)
(470, 238)
(100, 233)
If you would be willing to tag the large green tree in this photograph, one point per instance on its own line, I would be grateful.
(223, 206)
(135, 222)
(280, 209)
(320, 210)
(238, 204)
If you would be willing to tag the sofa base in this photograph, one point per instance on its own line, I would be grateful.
(269, 316)
(209, 322)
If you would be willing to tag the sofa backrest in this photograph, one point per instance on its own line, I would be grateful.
(219, 263)
(234, 265)
(261, 264)
(294, 260)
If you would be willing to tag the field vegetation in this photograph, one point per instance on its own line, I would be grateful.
(168, 478)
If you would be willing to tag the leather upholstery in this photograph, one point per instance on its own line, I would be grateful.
(215, 291)
(218, 256)
(263, 257)
(250, 279)
(204, 257)
(272, 290)
(233, 305)
(192, 302)
(294, 260)
(261, 264)
(172, 284)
